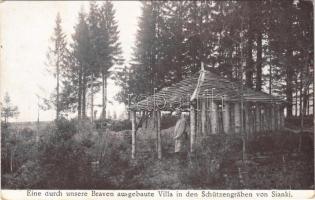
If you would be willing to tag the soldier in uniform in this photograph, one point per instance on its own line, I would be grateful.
(181, 136)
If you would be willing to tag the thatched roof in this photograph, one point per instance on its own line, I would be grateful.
(200, 86)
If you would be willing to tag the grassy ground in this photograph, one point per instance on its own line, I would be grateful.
(274, 161)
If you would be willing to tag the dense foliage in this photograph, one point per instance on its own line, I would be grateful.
(270, 43)
(82, 67)
(7, 109)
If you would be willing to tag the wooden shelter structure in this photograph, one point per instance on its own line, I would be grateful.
(214, 104)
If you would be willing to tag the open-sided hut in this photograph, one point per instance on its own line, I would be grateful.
(214, 104)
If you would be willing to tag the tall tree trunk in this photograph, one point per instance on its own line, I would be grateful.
(80, 94)
(304, 102)
(57, 91)
(249, 63)
(270, 74)
(84, 95)
(104, 96)
(301, 94)
(259, 62)
(11, 159)
(296, 95)
(249, 56)
(308, 101)
(92, 98)
(289, 83)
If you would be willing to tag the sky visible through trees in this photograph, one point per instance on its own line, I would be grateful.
(272, 40)
(37, 28)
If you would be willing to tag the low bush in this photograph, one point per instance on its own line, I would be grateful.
(114, 125)
(64, 158)
(295, 122)
(205, 165)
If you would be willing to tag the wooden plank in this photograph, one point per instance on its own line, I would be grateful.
(226, 118)
(203, 117)
(257, 118)
(133, 134)
(192, 128)
(214, 117)
(211, 80)
(159, 142)
(273, 117)
(247, 121)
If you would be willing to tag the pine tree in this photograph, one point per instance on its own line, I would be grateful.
(81, 50)
(143, 71)
(7, 109)
(108, 50)
(173, 37)
(56, 57)
(272, 39)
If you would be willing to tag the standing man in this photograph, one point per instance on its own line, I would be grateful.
(181, 136)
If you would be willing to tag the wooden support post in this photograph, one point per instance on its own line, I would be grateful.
(247, 114)
(192, 128)
(270, 117)
(133, 134)
(214, 118)
(158, 128)
(276, 116)
(279, 116)
(282, 117)
(257, 112)
(237, 117)
(226, 118)
(203, 117)
(267, 117)
(273, 119)
(262, 117)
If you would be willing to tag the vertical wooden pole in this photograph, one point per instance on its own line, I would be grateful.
(267, 117)
(282, 116)
(158, 128)
(257, 112)
(247, 124)
(237, 117)
(133, 134)
(192, 128)
(277, 112)
(261, 117)
(273, 120)
(203, 117)
(214, 117)
(226, 118)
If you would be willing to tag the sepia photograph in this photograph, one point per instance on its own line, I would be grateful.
(157, 95)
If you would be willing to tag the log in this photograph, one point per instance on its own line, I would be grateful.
(237, 117)
(133, 134)
(268, 117)
(192, 128)
(282, 117)
(214, 118)
(278, 117)
(158, 128)
(226, 118)
(273, 120)
(247, 115)
(257, 118)
(203, 117)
